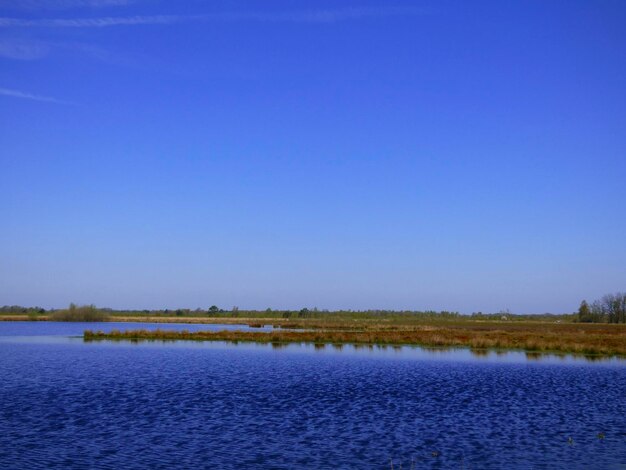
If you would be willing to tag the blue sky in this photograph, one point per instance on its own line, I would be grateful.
(455, 155)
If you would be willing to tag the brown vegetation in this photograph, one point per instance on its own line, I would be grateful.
(568, 338)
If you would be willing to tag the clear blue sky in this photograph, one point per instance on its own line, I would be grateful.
(454, 155)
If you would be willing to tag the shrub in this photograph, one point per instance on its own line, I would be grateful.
(84, 313)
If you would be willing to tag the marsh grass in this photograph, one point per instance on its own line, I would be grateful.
(607, 340)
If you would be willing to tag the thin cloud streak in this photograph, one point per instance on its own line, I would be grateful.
(21, 50)
(308, 16)
(325, 16)
(61, 4)
(94, 22)
(30, 96)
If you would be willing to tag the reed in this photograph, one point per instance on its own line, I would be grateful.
(608, 340)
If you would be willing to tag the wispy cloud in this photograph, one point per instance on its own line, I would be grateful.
(33, 49)
(322, 16)
(305, 16)
(30, 96)
(22, 50)
(93, 22)
(61, 4)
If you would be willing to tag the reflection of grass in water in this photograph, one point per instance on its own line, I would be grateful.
(479, 352)
(480, 340)
(533, 356)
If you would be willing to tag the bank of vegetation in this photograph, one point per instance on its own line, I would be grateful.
(235, 315)
(398, 316)
(83, 313)
(611, 308)
(566, 338)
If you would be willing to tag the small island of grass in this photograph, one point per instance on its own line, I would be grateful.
(586, 339)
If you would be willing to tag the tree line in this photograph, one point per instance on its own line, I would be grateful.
(611, 308)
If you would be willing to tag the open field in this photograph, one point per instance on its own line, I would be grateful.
(608, 340)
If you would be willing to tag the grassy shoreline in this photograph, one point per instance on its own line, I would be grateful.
(532, 338)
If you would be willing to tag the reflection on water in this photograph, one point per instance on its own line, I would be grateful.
(61, 332)
(408, 351)
(24, 328)
(533, 356)
(479, 352)
(66, 403)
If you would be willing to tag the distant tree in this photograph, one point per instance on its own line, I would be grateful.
(213, 309)
(83, 313)
(611, 308)
(584, 312)
(615, 307)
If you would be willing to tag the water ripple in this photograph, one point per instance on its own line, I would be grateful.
(162, 406)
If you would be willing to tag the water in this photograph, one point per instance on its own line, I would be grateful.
(65, 329)
(65, 403)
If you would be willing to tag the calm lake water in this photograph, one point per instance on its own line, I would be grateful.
(65, 403)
